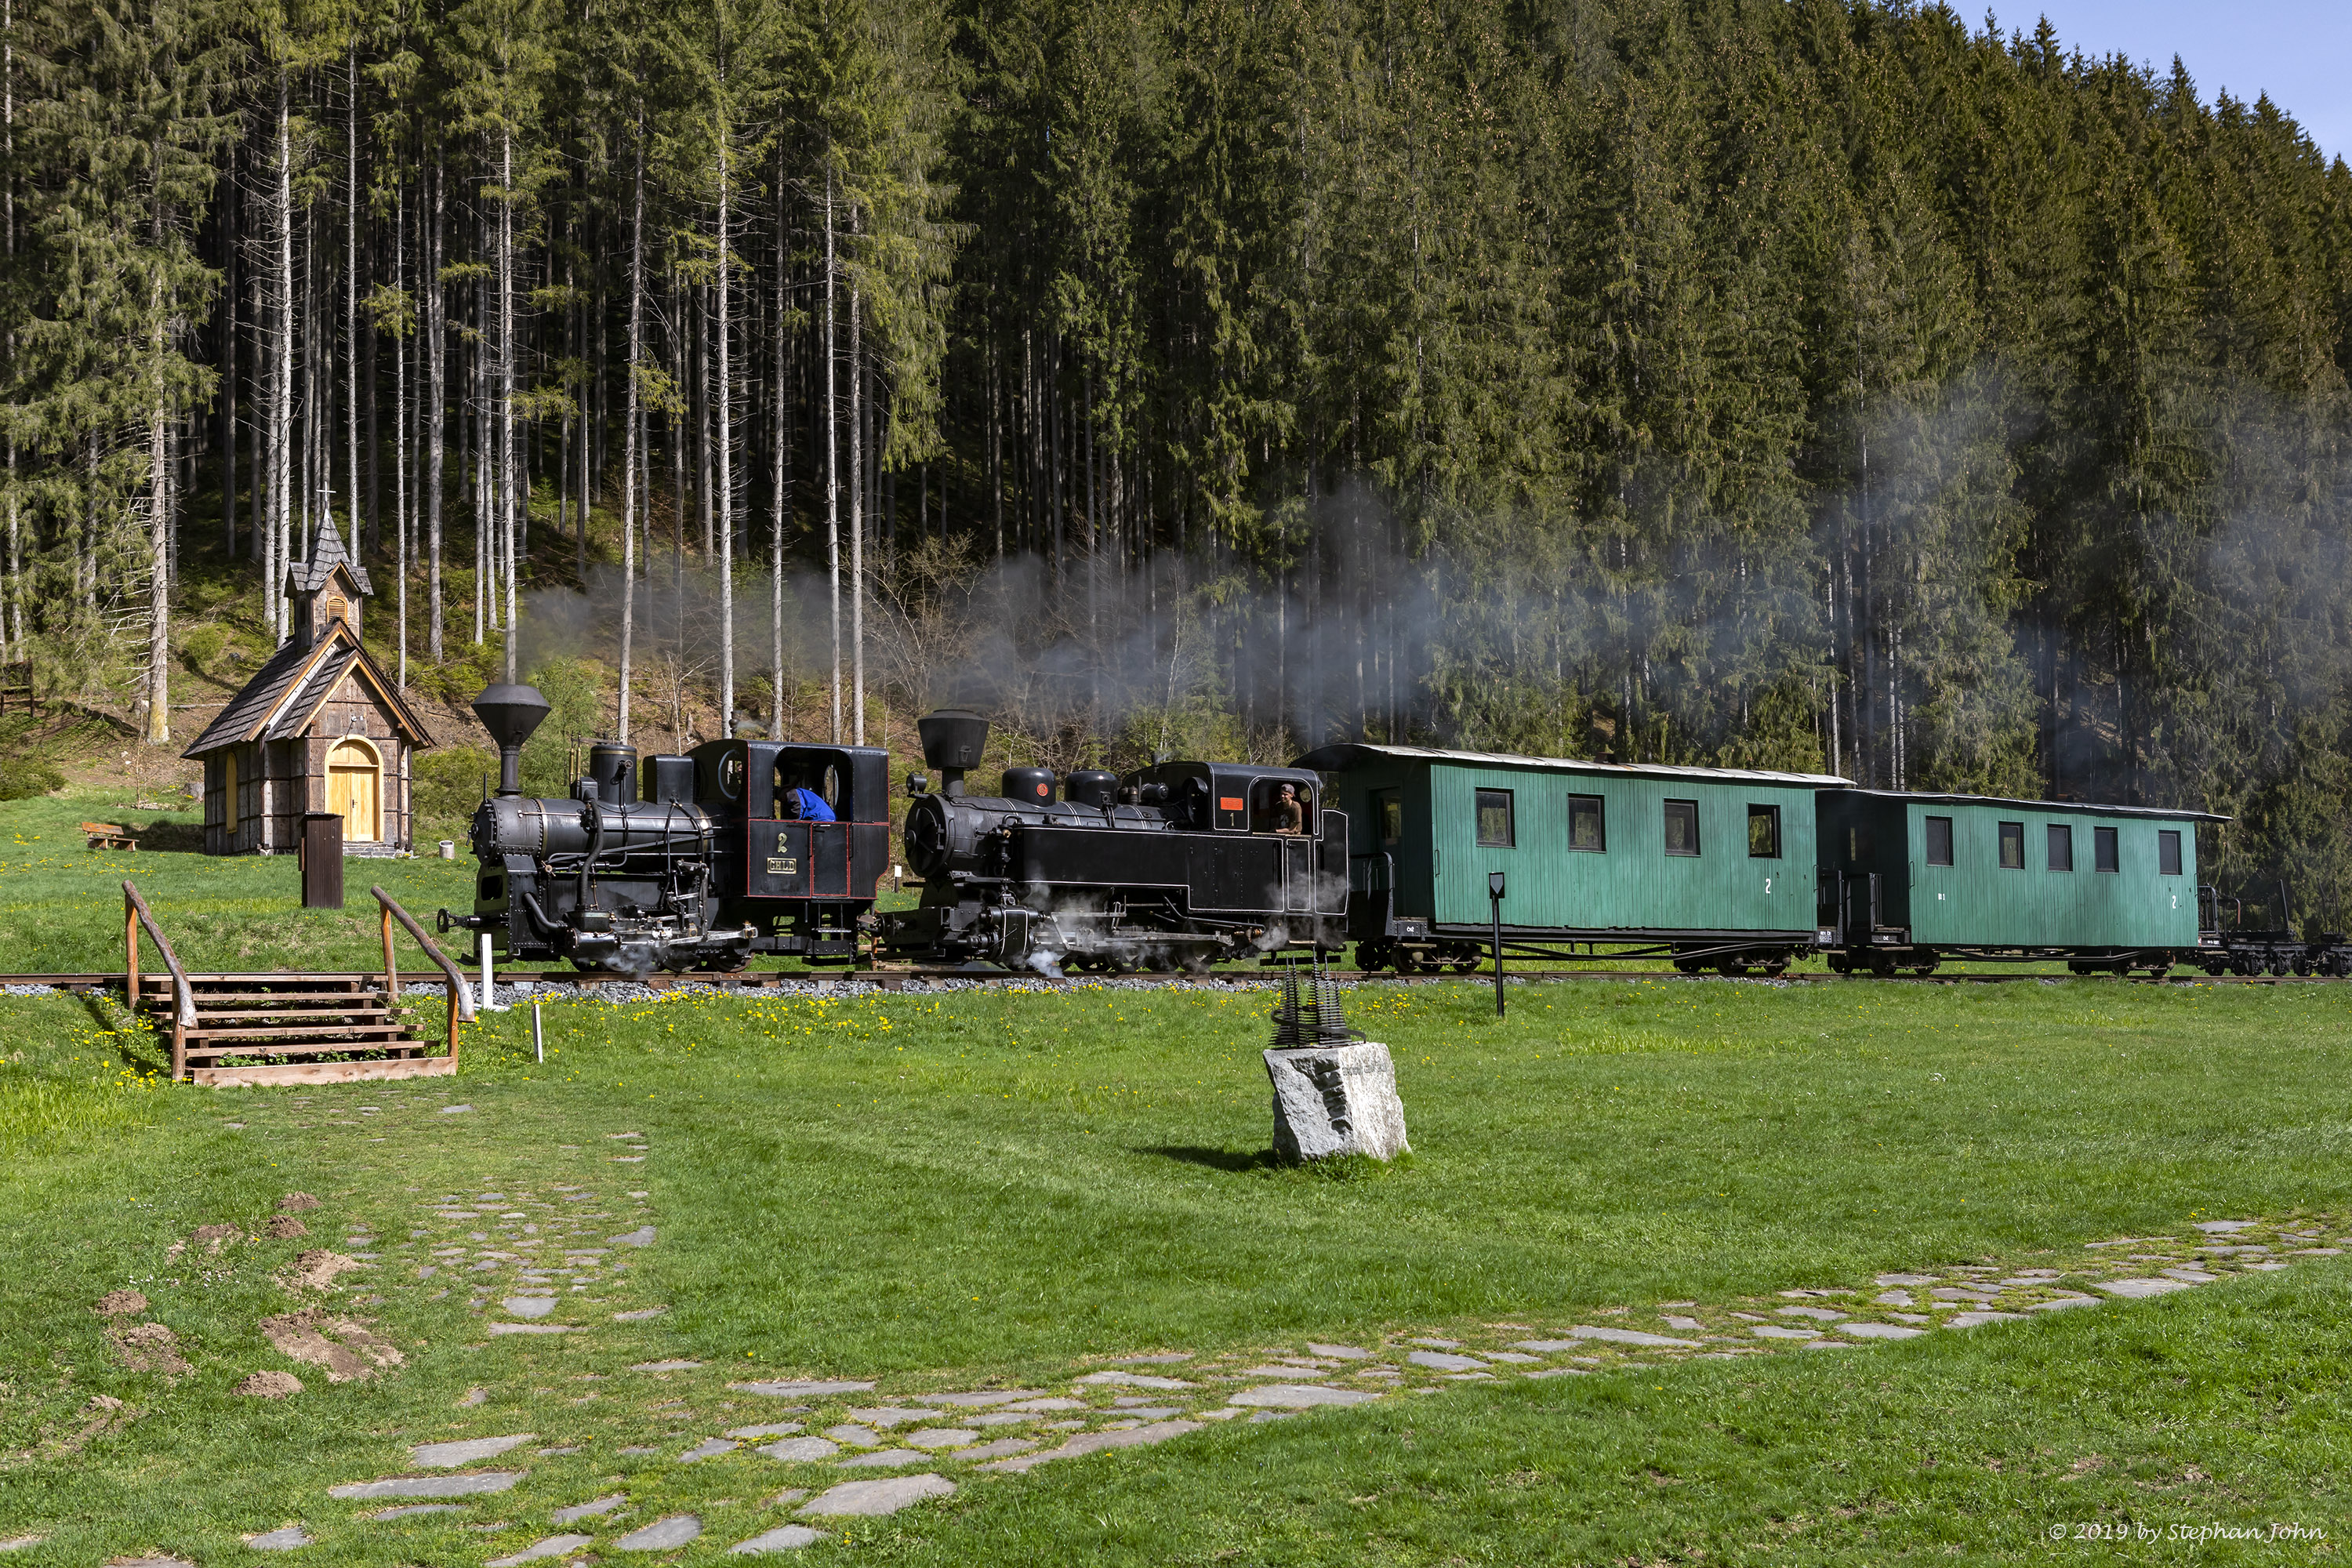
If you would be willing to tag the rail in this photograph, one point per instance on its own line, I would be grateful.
(135, 914)
(461, 1002)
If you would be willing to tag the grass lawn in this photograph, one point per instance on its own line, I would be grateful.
(961, 1190)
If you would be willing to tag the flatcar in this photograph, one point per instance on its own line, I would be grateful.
(1710, 868)
(1176, 865)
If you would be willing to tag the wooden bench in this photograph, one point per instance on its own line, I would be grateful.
(16, 681)
(109, 835)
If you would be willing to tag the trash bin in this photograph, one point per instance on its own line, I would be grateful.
(320, 857)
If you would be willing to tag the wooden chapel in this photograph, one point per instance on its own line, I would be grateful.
(319, 727)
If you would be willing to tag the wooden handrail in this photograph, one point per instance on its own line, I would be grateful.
(135, 914)
(461, 1001)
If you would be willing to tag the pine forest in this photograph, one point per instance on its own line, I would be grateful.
(1828, 384)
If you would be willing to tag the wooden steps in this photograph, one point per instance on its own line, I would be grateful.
(292, 1028)
(249, 1029)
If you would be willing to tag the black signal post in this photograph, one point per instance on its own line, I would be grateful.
(1494, 903)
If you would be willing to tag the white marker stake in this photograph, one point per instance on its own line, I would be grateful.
(487, 1003)
(537, 1038)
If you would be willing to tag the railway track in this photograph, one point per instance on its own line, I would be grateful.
(896, 979)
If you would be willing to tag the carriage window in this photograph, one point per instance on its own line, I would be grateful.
(2168, 852)
(1682, 828)
(2105, 856)
(1860, 846)
(1388, 816)
(1494, 819)
(1764, 833)
(2013, 847)
(1939, 841)
(1587, 828)
(2062, 848)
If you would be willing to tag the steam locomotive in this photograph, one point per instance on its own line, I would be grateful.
(705, 860)
(1177, 865)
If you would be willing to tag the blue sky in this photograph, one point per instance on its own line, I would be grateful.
(2298, 51)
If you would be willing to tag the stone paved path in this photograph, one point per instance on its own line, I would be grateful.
(849, 1447)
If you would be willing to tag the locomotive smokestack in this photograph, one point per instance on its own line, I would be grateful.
(953, 742)
(510, 713)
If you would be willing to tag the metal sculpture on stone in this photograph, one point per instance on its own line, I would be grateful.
(1334, 1091)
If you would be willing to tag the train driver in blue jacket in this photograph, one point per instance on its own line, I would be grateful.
(803, 804)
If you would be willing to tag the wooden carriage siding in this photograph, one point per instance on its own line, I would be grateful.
(2058, 895)
(319, 727)
(1633, 881)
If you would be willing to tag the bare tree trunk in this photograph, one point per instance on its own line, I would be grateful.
(509, 486)
(351, 286)
(832, 458)
(281, 411)
(230, 205)
(857, 520)
(436, 428)
(159, 541)
(726, 434)
(400, 421)
(629, 435)
(780, 489)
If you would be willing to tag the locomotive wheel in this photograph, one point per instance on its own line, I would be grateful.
(2278, 967)
(2302, 966)
(1882, 966)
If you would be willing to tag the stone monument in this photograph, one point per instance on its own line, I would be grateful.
(1334, 1091)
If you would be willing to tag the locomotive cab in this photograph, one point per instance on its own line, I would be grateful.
(801, 882)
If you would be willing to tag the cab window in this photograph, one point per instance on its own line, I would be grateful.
(1267, 812)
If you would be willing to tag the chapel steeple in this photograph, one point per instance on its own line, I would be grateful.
(327, 587)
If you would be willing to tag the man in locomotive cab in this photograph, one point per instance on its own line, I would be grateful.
(800, 803)
(1289, 810)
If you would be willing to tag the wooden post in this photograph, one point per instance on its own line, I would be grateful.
(390, 974)
(451, 987)
(130, 951)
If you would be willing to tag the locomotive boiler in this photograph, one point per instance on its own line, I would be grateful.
(1177, 865)
(687, 862)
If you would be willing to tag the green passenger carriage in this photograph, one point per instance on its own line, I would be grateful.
(1713, 867)
(1907, 880)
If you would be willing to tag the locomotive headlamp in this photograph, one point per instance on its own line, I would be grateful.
(918, 784)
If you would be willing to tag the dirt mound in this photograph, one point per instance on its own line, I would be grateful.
(285, 1227)
(335, 1343)
(149, 1347)
(215, 1237)
(295, 1202)
(121, 1304)
(269, 1385)
(316, 1269)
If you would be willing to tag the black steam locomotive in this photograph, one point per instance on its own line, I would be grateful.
(690, 862)
(703, 861)
(1174, 866)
